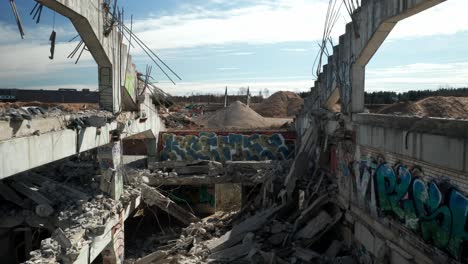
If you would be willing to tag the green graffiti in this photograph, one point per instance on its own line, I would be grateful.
(435, 219)
(130, 84)
(392, 188)
(440, 217)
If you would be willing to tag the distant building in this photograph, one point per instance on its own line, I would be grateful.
(62, 95)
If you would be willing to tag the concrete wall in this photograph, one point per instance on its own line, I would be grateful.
(223, 146)
(30, 151)
(90, 18)
(402, 180)
(345, 68)
(411, 180)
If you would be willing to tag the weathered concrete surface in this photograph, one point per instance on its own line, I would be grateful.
(431, 125)
(22, 154)
(89, 18)
(10, 129)
(437, 141)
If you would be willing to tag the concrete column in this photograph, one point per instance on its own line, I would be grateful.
(110, 162)
(228, 197)
(113, 253)
(357, 89)
(152, 149)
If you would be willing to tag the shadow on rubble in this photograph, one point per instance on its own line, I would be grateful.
(273, 226)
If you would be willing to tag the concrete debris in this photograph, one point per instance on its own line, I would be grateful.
(178, 121)
(48, 253)
(270, 228)
(206, 172)
(151, 196)
(63, 202)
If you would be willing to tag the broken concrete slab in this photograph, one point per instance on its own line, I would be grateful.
(314, 226)
(235, 252)
(31, 192)
(10, 195)
(152, 196)
(152, 258)
(305, 254)
(238, 232)
(60, 236)
(334, 249)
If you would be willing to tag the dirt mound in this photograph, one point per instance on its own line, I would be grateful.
(280, 104)
(236, 115)
(436, 106)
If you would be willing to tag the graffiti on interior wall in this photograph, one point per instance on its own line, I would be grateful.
(436, 210)
(222, 147)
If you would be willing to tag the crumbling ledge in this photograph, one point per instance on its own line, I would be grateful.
(429, 125)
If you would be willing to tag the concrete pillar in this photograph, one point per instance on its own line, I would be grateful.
(152, 149)
(110, 162)
(228, 197)
(113, 253)
(357, 89)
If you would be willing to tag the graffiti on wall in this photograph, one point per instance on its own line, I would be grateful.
(436, 210)
(225, 146)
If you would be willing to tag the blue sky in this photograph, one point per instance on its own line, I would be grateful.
(258, 43)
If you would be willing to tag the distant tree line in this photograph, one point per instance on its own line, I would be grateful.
(369, 98)
(392, 97)
(215, 98)
(241, 95)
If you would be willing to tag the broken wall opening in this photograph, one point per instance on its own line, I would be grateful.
(403, 75)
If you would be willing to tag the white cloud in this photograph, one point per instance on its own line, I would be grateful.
(31, 60)
(240, 53)
(446, 18)
(227, 69)
(417, 76)
(281, 21)
(295, 49)
(293, 20)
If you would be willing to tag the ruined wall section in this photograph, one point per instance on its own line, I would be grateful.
(406, 186)
(90, 19)
(227, 146)
(342, 78)
(402, 180)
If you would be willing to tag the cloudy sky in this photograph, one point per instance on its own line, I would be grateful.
(258, 43)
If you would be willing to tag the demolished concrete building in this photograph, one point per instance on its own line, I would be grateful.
(345, 187)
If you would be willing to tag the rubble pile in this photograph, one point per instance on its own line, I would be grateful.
(177, 120)
(77, 224)
(206, 172)
(31, 110)
(293, 218)
(64, 199)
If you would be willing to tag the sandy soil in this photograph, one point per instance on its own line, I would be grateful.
(280, 104)
(239, 116)
(436, 106)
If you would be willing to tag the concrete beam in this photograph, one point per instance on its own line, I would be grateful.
(90, 17)
(371, 25)
(22, 154)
